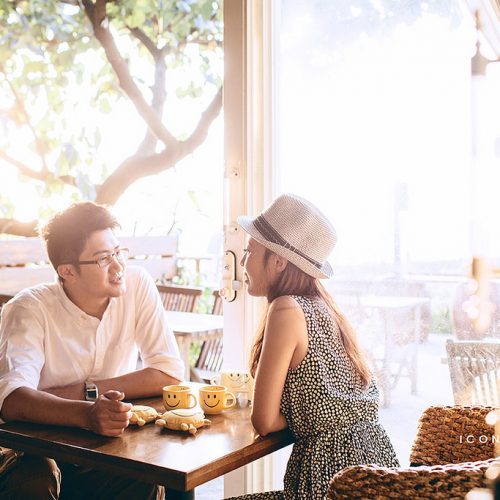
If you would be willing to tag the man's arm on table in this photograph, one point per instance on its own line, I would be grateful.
(108, 415)
(140, 384)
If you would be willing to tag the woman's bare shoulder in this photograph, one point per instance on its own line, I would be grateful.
(286, 308)
(284, 302)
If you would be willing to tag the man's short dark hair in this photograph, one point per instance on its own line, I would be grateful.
(67, 232)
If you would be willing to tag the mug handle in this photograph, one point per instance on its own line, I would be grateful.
(195, 401)
(230, 396)
(213, 380)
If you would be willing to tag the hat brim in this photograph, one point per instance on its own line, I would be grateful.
(325, 271)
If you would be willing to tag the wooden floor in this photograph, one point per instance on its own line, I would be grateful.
(213, 490)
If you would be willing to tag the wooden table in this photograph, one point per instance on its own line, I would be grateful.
(193, 326)
(175, 459)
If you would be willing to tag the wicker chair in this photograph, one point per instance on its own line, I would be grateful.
(453, 448)
(474, 371)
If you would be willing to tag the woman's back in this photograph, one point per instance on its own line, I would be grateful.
(324, 390)
(332, 416)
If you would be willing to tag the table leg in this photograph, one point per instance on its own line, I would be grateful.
(179, 495)
(184, 342)
(414, 358)
(386, 363)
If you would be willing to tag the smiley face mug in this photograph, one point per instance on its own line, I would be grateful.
(234, 381)
(215, 398)
(178, 396)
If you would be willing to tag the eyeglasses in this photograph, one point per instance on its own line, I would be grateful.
(104, 260)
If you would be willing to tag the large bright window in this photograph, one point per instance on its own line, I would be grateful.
(375, 127)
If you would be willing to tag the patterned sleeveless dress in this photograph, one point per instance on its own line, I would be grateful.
(333, 420)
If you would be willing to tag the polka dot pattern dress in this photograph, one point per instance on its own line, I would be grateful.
(333, 419)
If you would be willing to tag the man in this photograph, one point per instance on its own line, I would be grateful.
(68, 352)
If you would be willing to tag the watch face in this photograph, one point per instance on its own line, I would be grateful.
(91, 392)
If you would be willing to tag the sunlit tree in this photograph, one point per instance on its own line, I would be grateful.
(65, 65)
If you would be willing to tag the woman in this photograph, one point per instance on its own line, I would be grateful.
(310, 374)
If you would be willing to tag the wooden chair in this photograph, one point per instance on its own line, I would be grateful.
(217, 303)
(444, 465)
(180, 298)
(209, 361)
(4, 299)
(474, 371)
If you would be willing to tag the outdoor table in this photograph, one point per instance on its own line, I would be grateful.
(175, 459)
(389, 310)
(189, 326)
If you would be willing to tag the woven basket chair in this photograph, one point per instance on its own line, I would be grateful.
(453, 448)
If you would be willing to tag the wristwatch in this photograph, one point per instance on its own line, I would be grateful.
(91, 391)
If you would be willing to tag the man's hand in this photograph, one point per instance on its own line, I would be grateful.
(109, 416)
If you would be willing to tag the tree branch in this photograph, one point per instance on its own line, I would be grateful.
(97, 16)
(24, 169)
(17, 228)
(43, 175)
(137, 167)
(146, 41)
(22, 109)
(148, 144)
(207, 117)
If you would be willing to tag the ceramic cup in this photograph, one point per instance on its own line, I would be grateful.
(215, 398)
(237, 382)
(178, 396)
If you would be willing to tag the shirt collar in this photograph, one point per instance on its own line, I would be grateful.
(72, 308)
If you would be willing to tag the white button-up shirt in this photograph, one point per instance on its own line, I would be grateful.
(47, 341)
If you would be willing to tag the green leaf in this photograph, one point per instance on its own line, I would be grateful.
(104, 105)
(34, 66)
(206, 9)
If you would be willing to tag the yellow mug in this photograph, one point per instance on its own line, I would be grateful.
(178, 396)
(215, 398)
(235, 381)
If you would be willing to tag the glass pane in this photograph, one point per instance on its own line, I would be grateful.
(375, 128)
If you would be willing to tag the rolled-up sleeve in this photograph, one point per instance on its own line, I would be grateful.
(21, 349)
(157, 344)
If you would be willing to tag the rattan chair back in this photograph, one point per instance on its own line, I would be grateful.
(453, 449)
(453, 434)
(474, 371)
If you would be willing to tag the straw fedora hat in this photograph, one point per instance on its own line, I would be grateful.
(295, 229)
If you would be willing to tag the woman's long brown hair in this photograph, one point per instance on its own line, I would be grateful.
(293, 281)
